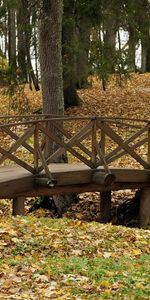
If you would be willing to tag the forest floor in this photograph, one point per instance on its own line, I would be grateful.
(72, 258)
(131, 100)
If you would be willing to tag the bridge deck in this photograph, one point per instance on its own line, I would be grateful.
(16, 181)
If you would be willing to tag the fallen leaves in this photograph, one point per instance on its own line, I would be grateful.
(53, 258)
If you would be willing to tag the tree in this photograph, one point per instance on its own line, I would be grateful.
(50, 34)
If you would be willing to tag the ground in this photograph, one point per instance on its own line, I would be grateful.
(47, 258)
(66, 259)
(131, 100)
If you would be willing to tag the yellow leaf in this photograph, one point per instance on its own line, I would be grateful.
(140, 286)
(136, 252)
(105, 284)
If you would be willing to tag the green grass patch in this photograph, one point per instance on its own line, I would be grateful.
(73, 258)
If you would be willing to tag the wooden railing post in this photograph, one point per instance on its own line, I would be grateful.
(18, 206)
(36, 143)
(94, 152)
(144, 213)
(148, 150)
(105, 197)
(102, 142)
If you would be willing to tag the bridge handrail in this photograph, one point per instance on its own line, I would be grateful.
(96, 129)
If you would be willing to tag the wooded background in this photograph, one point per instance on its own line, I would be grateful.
(91, 41)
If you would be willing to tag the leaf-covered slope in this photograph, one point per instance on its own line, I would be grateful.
(65, 259)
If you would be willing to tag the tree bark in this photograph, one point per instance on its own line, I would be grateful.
(132, 48)
(144, 214)
(12, 39)
(22, 64)
(50, 33)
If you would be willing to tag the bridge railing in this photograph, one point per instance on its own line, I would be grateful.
(94, 141)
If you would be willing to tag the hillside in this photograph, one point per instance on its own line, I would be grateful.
(73, 258)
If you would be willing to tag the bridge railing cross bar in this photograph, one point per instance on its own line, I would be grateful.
(88, 145)
(97, 129)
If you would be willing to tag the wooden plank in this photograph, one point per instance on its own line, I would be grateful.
(79, 136)
(60, 151)
(52, 181)
(126, 142)
(15, 181)
(15, 137)
(66, 146)
(77, 143)
(36, 143)
(102, 158)
(148, 150)
(17, 160)
(18, 143)
(102, 142)
(115, 157)
(111, 133)
(103, 178)
(144, 213)
(105, 207)
(79, 189)
(18, 206)
(94, 142)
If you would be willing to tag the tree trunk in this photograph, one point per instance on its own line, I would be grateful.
(12, 40)
(27, 33)
(110, 30)
(83, 40)
(22, 64)
(50, 33)
(69, 57)
(143, 58)
(50, 56)
(132, 48)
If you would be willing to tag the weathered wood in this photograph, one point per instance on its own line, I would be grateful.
(66, 146)
(51, 180)
(105, 207)
(36, 144)
(77, 142)
(15, 137)
(148, 150)
(16, 181)
(18, 143)
(111, 133)
(134, 147)
(102, 142)
(103, 178)
(45, 182)
(18, 206)
(114, 153)
(79, 189)
(94, 142)
(144, 214)
(101, 156)
(17, 160)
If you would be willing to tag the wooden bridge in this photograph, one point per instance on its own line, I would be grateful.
(96, 148)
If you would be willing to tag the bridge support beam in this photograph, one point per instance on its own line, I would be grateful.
(18, 206)
(105, 207)
(144, 213)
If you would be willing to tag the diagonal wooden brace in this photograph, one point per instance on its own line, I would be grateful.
(51, 181)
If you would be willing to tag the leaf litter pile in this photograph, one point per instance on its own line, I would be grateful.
(70, 259)
(43, 258)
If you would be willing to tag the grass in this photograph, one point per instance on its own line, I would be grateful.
(66, 259)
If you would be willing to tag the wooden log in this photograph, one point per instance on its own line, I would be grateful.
(103, 178)
(144, 213)
(105, 207)
(45, 182)
(18, 206)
